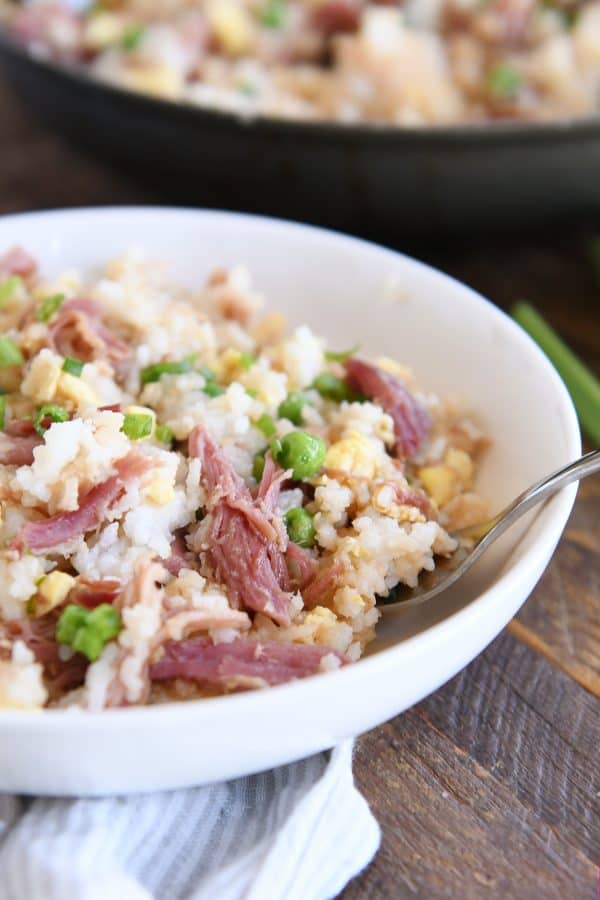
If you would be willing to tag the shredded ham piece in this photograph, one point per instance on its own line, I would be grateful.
(411, 420)
(18, 451)
(182, 624)
(131, 683)
(40, 537)
(239, 664)
(180, 558)
(60, 675)
(92, 593)
(244, 546)
(17, 261)
(323, 586)
(80, 332)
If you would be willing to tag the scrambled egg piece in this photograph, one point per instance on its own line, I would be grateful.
(41, 380)
(231, 26)
(355, 454)
(52, 591)
(73, 389)
(445, 480)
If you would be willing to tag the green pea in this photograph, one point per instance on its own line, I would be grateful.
(302, 452)
(332, 388)
(258, 466)
(266, 425)
(300, 527)
(291, 408)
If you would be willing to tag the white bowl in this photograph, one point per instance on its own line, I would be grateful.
(457, 343)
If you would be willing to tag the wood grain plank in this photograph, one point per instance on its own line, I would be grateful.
(488, 788)
(562, 619)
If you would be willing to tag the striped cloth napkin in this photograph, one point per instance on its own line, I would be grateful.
(300, 832)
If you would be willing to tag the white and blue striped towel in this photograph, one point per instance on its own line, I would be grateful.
(300, 832)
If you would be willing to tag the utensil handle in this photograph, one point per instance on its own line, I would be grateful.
(575, 471)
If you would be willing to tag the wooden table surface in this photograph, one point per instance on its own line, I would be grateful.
(490, 787)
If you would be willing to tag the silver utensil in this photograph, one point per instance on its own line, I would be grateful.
(447, 572)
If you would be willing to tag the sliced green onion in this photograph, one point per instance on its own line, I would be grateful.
(246, 360)
(341, 355)
(73, 366)
(163, 434)
(49, 411)
(206, 373)
(10, 355)
(49, 306)
(252, 393)
(137, 425)
(154, 372)
(2, 410)
(582, 384)
(88, 631)
(8, 288)
(213, 389)
(266, 425)
(504, 82)
(133, 37)
(273, 13)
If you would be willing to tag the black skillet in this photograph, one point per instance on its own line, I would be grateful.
(370, 179)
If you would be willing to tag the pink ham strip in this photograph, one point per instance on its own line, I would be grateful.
(80, 332)
(411, 420)
(243, 552)
(237, 663)
(337, 16)
(92, 593)
(411, 497)
(39, 635)
(18, 451)
(180, 558)
(17, 261)
(323, 586)
(39, 537)
(305, 565)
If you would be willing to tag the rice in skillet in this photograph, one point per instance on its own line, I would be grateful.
(195, 502)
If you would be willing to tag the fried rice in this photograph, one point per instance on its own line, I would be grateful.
(419, 62)
(195, 500)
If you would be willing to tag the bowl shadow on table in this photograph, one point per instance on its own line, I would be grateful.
(384, 183)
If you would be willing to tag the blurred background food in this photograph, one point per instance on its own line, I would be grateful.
(408, 63)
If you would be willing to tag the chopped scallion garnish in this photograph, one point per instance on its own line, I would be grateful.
(341, 355)
(133, 37)
(213, 389)
(163, 434)
(8, 289)
(73, 366)
(154, 372)
(273, 13)
(10, 355)
(504, 82)
(49, 411)
(137, 425)
(48, 307)
(87, 631)
(246, 360)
